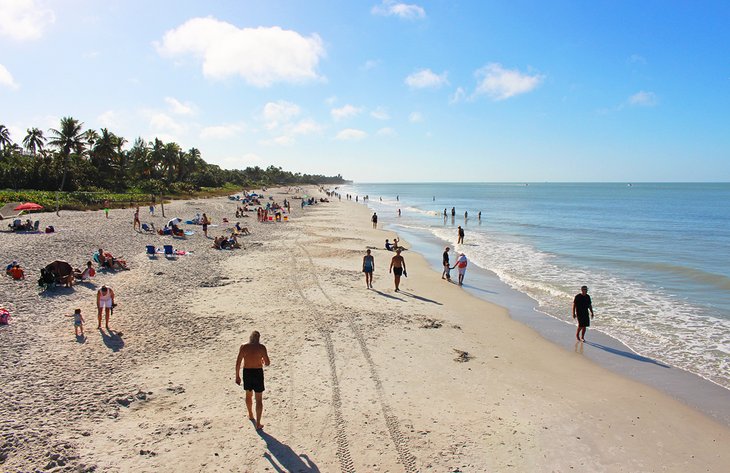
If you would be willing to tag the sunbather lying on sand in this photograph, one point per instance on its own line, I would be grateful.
(107, 260)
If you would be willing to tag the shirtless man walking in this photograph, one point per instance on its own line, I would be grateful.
(254, 357)
(398, 268)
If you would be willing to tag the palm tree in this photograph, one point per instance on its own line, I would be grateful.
(91, 137)
(5, 140)
(34, 141)
(69, 138)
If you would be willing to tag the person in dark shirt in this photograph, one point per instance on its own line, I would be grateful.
(447, 267)
(582, 305)
(460, 235)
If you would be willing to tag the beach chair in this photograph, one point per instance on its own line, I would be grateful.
(95, 258)
(169, 251)
(151, 250)
(36, 224)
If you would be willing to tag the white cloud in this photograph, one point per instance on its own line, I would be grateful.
(415, 117)
(402, 10)
(643, 99)
(426, 78)
(386, 132)
(330, 100)
(178, 107)
(216, 132)
(279, 113)
(499, 83)
(458, 96)
(108, 119)
(6, 78)
(261, 56)
(637, 59)
(284, 140)
(350, 134)
(380, 113)
(23, 20)
(164, 125)
(347, 111)
(306, 127)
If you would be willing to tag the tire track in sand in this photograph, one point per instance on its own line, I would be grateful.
(343, 448)
(391, 420)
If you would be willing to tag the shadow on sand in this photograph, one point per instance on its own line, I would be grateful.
(112, 340)
(627, 354)
(286, 459)
(389, 296)
(420, 298)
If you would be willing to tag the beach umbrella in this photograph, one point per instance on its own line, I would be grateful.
(28, 206)
(174, 221)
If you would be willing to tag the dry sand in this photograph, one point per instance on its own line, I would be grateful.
(428, 379)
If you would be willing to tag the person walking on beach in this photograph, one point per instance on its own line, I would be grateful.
(104, 302)
(78, 322)
(106, 208)
(461, 264)
(460, 235)
(374, 219)
(205, 221)
(254, 356)
(398, 268)
(368, 267)
(446, 274)
(582, 305)
(137, 225)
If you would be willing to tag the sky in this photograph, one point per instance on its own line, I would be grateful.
(388, 91)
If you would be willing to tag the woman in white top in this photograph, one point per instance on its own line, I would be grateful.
(104, 301)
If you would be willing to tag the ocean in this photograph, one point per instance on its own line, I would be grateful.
(656, 257)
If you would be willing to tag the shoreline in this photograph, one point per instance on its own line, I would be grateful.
(609, 352)
(361, 380)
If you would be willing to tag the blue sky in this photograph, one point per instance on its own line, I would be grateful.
(385, 91)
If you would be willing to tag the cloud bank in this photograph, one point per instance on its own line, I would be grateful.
(261, 56)
(24, 20)
(6, 78)
(499, 83)
(426, 79)
(401, 10)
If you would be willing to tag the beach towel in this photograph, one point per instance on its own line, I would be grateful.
(189, 232)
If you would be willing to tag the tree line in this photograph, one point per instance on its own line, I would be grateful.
(73, 159)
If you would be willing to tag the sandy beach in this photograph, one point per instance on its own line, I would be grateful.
(427, 379)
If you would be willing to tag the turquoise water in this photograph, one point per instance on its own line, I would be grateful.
(656, 257)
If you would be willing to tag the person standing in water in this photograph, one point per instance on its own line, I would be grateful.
(368, 267)
(446, 274)
(582, 305)
(254, 356)
(460, 265)
(460, 235)
(374, 219)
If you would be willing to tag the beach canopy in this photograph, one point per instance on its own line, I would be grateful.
(174, 221)
(28, 206)
(8, 210)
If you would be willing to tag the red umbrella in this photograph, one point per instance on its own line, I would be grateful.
(29, 206)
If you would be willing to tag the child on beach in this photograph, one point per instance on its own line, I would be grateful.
(78, 322)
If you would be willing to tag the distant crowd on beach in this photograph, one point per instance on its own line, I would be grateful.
(582, 310)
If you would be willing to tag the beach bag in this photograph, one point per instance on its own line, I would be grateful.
(4, 316)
